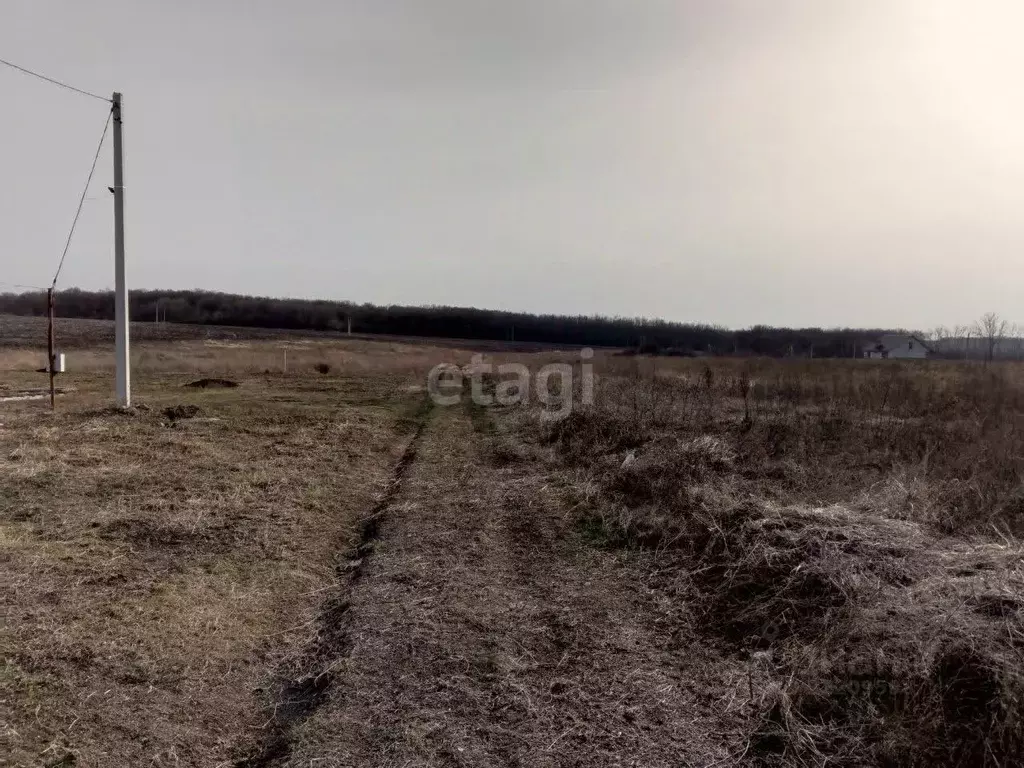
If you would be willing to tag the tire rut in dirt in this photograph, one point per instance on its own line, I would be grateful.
(488, 635)
(299, 696)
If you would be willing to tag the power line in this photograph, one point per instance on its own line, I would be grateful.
(20, 285)
(55, 82)
(81, 200)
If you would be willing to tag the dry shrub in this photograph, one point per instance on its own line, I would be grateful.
(921, 674)
(874, 649)
(587, 433)
(760, 573)
(767, 574)
(665, 468)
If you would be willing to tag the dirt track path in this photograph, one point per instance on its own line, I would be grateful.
(482, 633)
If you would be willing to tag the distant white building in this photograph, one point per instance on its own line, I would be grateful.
(897, 346)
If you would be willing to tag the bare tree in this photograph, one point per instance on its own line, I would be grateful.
(960, 336)
(937, 338)
(992, 328)
(1016, 343)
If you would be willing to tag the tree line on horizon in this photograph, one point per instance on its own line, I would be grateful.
(649, 336)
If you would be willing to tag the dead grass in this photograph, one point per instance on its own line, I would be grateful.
(849, 530)
(780, 563)
(161, 564)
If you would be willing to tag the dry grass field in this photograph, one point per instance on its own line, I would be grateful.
(718, 562)
(162, 566)
(848, 531)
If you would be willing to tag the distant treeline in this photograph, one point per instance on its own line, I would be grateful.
(649, 336)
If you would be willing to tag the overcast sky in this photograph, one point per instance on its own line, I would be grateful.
(799, 162)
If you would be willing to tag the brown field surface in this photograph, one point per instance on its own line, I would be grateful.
(75, 333)
(158, 570)
(717, 562)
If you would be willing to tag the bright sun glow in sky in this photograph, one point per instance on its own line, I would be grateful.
(800, 162)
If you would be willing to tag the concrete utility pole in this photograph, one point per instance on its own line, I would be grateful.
(124, 390)
(50, 355)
